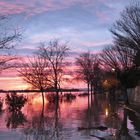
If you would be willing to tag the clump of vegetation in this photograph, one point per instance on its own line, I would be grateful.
(83, 94)
(69, 97)
(15, 119)
(52, 98)
(15, 102)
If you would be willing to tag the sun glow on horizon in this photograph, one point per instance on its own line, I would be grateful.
(13, 83)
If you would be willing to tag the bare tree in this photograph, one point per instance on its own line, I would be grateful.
(84, 65)
(126, 30)
(7, 61)
(123, 57)
(116, 57)
(8, 39)
(121, 60)
(54, 53)
(36, 73)
(97, 76)
(88, 69)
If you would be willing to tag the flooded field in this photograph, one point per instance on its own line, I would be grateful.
(79, 118)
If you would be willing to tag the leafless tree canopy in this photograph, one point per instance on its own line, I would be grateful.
(123, 56)
(8, 39)
(36, 73)
(7, 61)
(126, 30)
(85, 66)
(54, 53)
(117, 57)
(8, 35)
(88, 69)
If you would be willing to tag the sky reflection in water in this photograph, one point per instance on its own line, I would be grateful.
(60, 121)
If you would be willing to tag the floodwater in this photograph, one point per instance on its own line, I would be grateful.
(81, 118)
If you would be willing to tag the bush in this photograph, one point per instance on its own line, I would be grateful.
(52, 98)
(15, 102)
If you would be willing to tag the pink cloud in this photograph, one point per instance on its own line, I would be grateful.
(9, 8)
(33, 7)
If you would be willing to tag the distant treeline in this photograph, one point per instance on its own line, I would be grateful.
(47, 90)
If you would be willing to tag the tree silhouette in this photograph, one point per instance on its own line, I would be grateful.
(124, 131)
(15, 119)
(8, 38)
(121, 60)
(123, 57)
(126, 30)
(89, 70)
(15, 102)
(36, 73)
(84, 64)
(54, 53)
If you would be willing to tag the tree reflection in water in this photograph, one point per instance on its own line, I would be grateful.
(120, 129)
(91, 116)
(112, 119)
(45, 125)
(15, 119)
(36, 127)
(123, 132)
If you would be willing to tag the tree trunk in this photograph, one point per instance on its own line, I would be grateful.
(42, 116)
(91, 89)
(57, 118)
(56, 89)
(124, 129)
(43, 100)
(88, 90)
(126, 100)
(88, 87)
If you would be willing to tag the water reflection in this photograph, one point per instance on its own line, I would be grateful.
(45, 124)
(15, 119)
(36, 126)
(97, 115)
(112, 119)
(123, 132)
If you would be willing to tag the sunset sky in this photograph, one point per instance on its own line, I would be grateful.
(84, 24)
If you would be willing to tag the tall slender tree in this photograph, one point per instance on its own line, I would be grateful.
(88, 69)
(84, 68)
(54, 53)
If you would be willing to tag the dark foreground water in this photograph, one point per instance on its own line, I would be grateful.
(77, 119)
